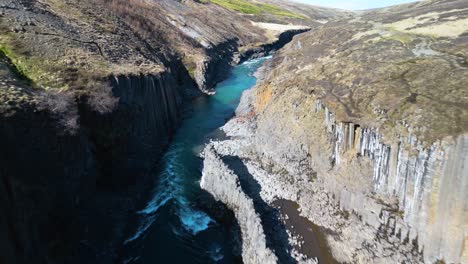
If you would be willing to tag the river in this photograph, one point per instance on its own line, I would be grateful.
(171, 227)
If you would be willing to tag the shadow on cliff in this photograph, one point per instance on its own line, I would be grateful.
(275, 231)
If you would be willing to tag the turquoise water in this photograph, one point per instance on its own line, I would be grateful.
(171, 228)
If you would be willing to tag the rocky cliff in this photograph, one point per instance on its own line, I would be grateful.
(56, 183)
(363, 123)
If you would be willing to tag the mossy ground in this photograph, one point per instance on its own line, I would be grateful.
(36, 70)
(250, 8)
(15, 68)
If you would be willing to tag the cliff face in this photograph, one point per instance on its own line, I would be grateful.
(409, 188)
(363, 123)
(147, 114)
(90, 94)
(61, 189)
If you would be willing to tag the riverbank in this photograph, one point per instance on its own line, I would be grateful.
(310, 239)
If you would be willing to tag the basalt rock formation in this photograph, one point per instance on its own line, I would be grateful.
(90, 94)
(364, 123)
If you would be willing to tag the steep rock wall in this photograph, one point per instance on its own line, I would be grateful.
(136, 132)
(68, 203)
(399, 187)
(67, 195)
(215, 66)
(429, 183)
(44, 174)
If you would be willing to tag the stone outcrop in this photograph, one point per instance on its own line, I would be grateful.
(224, 185)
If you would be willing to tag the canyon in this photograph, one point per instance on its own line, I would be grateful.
(356, 131)
(91, 95)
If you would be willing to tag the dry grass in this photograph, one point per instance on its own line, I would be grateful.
(255, 8)
(63, 106)
(430, 24)
(100, 97)
(140, 16)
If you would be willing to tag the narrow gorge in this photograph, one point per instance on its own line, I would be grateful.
(233, 131)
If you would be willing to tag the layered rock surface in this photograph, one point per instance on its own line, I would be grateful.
(364, 124)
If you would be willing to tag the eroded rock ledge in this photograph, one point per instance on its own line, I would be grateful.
(224, 185)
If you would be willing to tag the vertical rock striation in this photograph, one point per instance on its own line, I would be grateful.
(419, 177)
(66, 197)
(140, 127)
